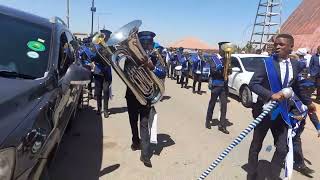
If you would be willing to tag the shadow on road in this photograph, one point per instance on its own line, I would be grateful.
(80, 152)
(164, 140)
(264, 169)
(188, 87)
(118, 110)
(234, 97)
(165, 98)
(109, 169)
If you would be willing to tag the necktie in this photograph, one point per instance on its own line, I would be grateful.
(286, 77)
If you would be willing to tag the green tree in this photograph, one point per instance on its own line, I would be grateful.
(248, 48)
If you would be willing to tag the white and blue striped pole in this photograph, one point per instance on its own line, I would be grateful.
(287, 93)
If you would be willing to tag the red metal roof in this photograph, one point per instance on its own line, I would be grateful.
(304, 25)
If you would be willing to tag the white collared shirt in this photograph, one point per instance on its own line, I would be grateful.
(308, 58)
(282, 64)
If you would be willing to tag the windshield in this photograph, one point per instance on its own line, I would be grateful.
(24, 47)
(251, 63)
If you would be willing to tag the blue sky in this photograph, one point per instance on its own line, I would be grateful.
(209, 20)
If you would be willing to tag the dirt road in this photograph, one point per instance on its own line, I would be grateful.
(98, 148)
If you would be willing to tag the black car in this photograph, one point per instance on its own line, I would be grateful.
(40, 84)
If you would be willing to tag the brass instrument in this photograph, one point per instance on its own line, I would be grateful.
(228, 49)
(159, 57)
(129, 60)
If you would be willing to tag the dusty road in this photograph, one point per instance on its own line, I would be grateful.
(98, 148)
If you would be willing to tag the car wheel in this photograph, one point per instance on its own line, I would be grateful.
(246, 97)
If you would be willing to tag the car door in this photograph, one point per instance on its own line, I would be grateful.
(232, 83)
(62, 109)
(74, 89)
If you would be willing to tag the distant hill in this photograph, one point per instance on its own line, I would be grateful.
(192, 43)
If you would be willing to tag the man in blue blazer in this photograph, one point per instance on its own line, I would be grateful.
(315, 70)
(286, 73)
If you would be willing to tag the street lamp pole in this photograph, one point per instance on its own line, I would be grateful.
(68, 15)
(98, 24)
(93, 10)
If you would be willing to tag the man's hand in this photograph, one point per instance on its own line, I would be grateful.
(312, 108)
(299, 118)
(149, 64)
(279, 96)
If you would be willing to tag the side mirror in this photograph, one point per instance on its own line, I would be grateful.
(75, 44)
(77, 75)
(236, 69)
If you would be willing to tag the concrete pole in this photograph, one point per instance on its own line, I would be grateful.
(93, 9)
(68, 15)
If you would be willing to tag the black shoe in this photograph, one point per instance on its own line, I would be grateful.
(199, 92)
(106, 114)
(304, 170)
(228, 123)
(146, 161)
(193, 92)
(223, 129)
(135, 147)
(208, 125)
(252, 176)
(181, 86)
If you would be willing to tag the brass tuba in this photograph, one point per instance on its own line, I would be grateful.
(128, 59)
(228, 49)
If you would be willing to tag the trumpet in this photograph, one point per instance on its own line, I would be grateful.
(145, 85)
(228, 49)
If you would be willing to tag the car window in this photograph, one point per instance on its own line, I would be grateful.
(66, 56)
(24, 47)
(70, 38)
(251, 63)
(235, 63)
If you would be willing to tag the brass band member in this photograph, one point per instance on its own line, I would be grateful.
(197, 72)
(275, 73)
(102, 81)
(219, 88)
(135, 109)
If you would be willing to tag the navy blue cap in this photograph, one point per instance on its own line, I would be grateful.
(146, 35)
(107, 33)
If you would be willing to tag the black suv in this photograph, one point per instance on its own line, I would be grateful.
(40, 85)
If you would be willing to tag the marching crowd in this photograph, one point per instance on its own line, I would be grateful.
(284, 68)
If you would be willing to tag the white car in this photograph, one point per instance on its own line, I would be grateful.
(243, 67)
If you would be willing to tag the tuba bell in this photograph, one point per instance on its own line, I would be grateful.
(126, 56)
(228, 49)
